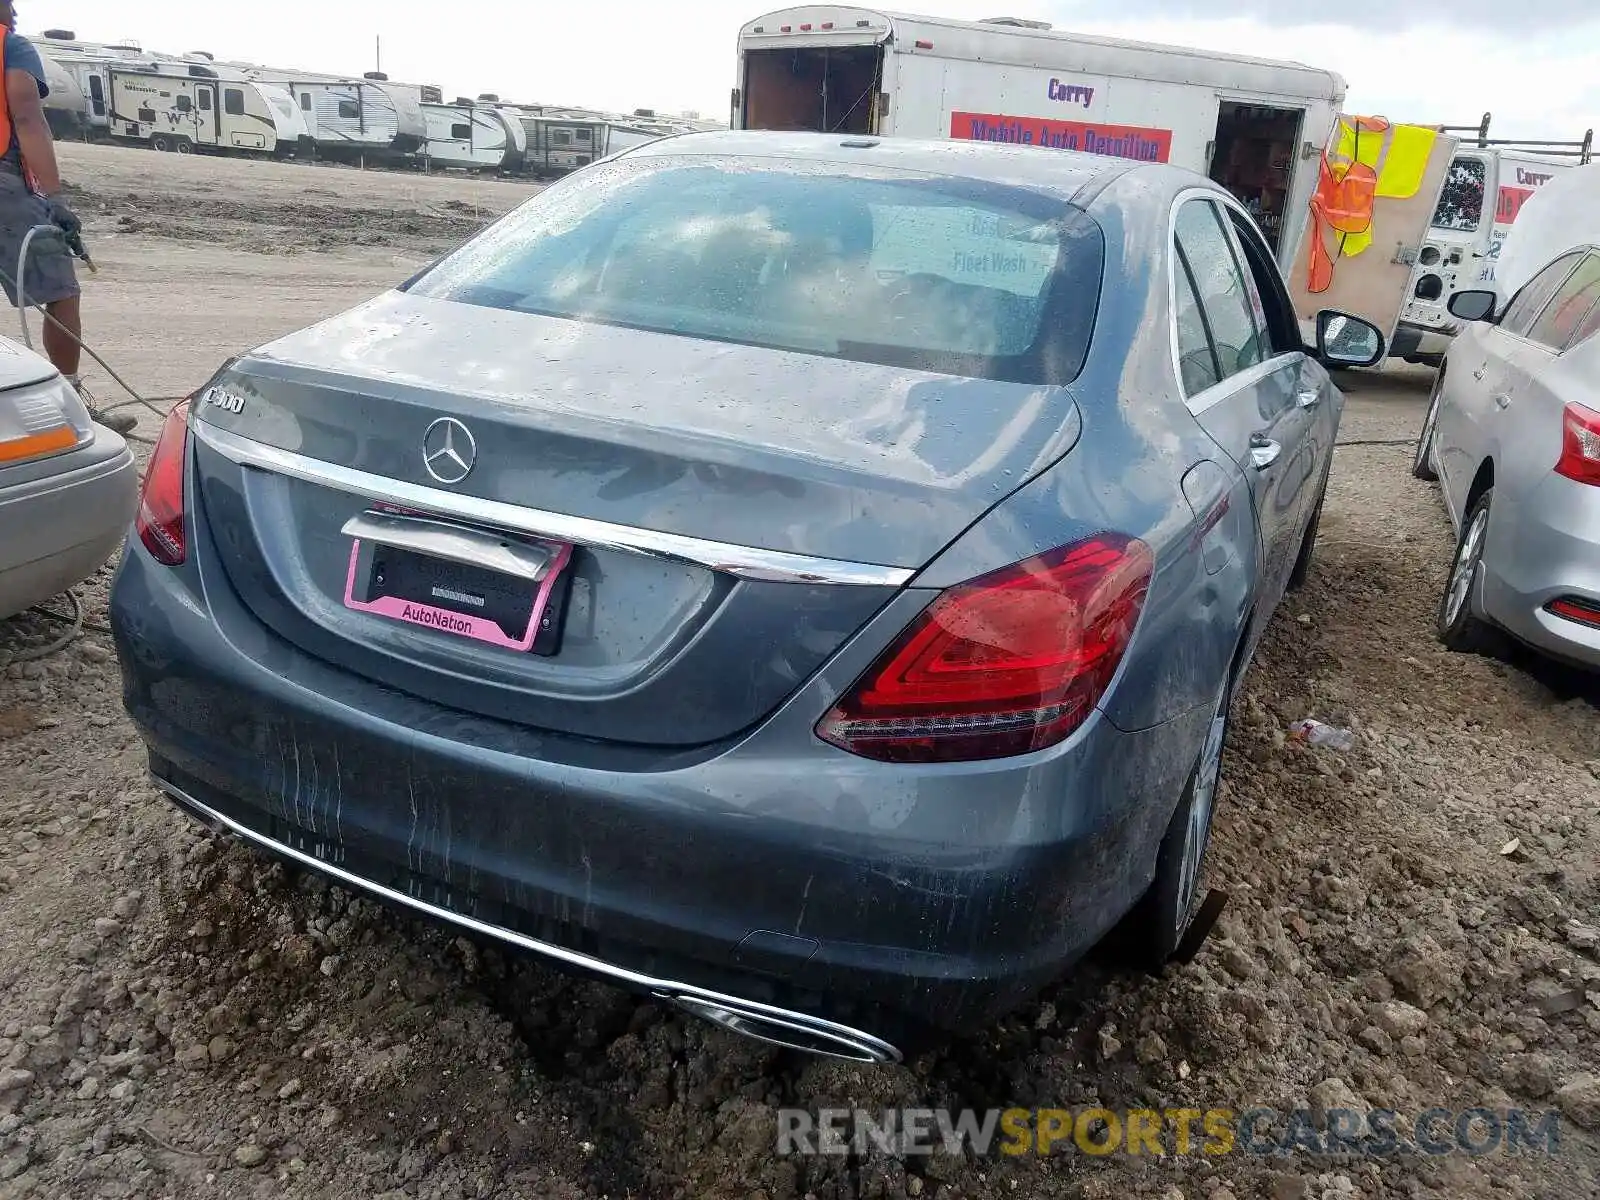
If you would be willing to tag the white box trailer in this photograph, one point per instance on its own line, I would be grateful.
(1255, 126)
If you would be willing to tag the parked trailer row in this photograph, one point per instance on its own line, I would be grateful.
(194, 102)
(124, 93)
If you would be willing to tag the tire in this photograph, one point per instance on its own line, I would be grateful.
(1422, 461)
(1458, 627)
(1308, 549)
(161, 142)
(1154, 928)
(184, 146)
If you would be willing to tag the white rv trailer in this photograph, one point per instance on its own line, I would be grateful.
(86, 65)
(66, 107)
(562, 140)
(354, 119)
(622, 136)
(168, 108)
(1253, 125)
(473, 136)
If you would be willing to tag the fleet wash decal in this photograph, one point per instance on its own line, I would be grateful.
(1091, 137)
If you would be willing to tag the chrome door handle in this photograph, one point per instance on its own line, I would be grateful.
(440, 539)
(1478, 374)
(1502, 401)
(1263, 451)
(1310, 398)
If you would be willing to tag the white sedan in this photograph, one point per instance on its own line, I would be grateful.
(1513, 436)
(67, 486)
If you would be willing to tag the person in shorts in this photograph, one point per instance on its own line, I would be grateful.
(30, 194)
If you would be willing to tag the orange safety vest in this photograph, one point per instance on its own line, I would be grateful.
(7, 132)
(5, 104)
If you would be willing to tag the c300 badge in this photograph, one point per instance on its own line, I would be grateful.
(217, 396)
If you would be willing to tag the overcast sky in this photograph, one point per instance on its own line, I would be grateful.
(1530, 62)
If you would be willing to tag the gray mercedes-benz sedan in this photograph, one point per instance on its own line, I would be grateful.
(802, 579)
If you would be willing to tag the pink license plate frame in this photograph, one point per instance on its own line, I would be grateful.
(444, 620)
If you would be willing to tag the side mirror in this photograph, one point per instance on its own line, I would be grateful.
(1346, 341)
(1475, 305)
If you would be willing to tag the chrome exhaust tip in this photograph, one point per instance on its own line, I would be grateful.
(791, 1030)
(197, 813)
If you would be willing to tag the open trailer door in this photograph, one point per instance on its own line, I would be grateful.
(1374, 202)
(818, 69)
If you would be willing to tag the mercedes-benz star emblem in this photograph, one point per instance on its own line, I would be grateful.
(449, 450)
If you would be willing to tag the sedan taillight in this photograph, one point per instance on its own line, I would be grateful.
(1580, 445)
(1009, 663)
(159, 522)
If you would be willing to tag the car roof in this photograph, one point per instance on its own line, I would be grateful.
(1073, 176)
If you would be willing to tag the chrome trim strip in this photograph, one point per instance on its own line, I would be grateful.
(454, 543)
(747, 562)
(696, 999)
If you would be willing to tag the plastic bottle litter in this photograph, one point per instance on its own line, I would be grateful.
(1315, 733)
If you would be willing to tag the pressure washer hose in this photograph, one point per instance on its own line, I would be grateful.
(19, 284)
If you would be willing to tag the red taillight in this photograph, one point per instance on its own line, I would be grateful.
(160, 520)
(1584, 612)
(1580, 445)
(1006, 664)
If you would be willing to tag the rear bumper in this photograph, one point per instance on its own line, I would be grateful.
(799, 1030)
(800, 878)
(62, 518)
(1541, 548)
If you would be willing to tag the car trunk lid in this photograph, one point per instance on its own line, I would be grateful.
(734, 513)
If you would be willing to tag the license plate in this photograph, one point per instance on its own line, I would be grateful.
(461, 599)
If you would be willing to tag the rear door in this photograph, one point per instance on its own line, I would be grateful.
(1378, 283)
(1525, 412)
(1451, 253)
(1242, 387)
(1468, 423)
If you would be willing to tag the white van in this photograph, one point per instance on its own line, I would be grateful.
(1255, 126)
(1488, 184)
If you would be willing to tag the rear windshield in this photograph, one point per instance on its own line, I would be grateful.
(932, 273)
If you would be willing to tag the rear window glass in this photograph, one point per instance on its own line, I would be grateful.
(1461, 199)
(954, 276)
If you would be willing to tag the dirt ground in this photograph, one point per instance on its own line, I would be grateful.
(1411, 924)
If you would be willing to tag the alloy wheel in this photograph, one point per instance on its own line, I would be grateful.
(1465, 570)
(1208, 772)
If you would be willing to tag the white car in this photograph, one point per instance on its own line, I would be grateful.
(67, 486)
(1513, 436)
